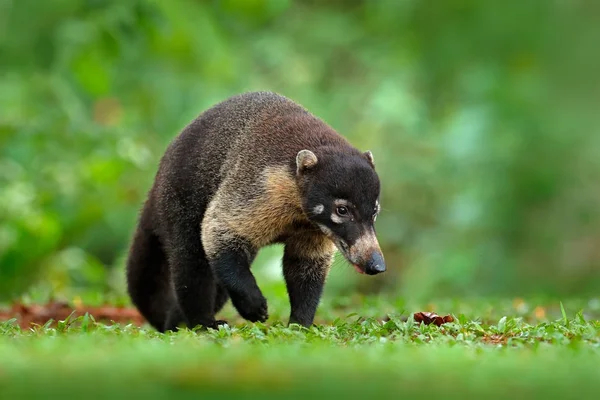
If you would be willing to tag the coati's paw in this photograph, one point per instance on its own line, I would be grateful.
(251, 308)
(305, 322)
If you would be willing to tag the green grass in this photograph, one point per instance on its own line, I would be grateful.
(494, 349)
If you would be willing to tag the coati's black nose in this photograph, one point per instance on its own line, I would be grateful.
(375, 265)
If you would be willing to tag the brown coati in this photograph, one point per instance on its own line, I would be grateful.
(254, 170)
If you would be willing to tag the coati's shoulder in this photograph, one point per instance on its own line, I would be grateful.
(251, 130)
(261, 114)
(215, 135)
(277, 128)
(219, 127)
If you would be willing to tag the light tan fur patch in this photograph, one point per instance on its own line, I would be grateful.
(366, 244)
(314, 247)
(310, 245)
(260, 219)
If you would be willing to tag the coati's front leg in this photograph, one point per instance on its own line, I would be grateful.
(307, 259)
(231, 266)
(226, 239)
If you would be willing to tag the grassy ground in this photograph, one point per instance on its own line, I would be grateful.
(496, 349)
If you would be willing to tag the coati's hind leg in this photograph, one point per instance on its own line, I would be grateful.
(148, 274)
(221, 298)
(193, 281)
(306, 261)
(175, 317)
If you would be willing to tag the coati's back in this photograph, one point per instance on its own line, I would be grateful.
(254, 129)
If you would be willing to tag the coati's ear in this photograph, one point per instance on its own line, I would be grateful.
(369, 156)
(305, 159)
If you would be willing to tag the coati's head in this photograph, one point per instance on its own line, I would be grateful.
(340, 194)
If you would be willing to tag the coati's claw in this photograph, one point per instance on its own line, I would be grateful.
(253, 309)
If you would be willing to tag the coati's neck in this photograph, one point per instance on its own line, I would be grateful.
(283, 189)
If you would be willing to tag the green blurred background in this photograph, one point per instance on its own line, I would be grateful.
(482, 117)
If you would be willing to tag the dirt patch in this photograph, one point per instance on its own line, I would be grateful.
(39, 314)
(495, 339)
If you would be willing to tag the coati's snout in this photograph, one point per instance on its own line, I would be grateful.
(341, 196)
(364, 252)
(375, 264)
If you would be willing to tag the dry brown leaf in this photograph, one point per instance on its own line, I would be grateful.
(432, 318)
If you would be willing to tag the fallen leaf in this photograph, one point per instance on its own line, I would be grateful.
(432, 318)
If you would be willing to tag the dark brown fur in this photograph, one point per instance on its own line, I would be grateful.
(227, 186)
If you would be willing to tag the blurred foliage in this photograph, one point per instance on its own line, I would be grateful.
(481, 117)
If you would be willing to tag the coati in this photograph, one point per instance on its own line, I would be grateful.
(253, 170)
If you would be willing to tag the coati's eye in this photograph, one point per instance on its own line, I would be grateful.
(341, 210)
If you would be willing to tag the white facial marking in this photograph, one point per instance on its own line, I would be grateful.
(325, 230)
(336, 218)
(318, 209)
(340, 202)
